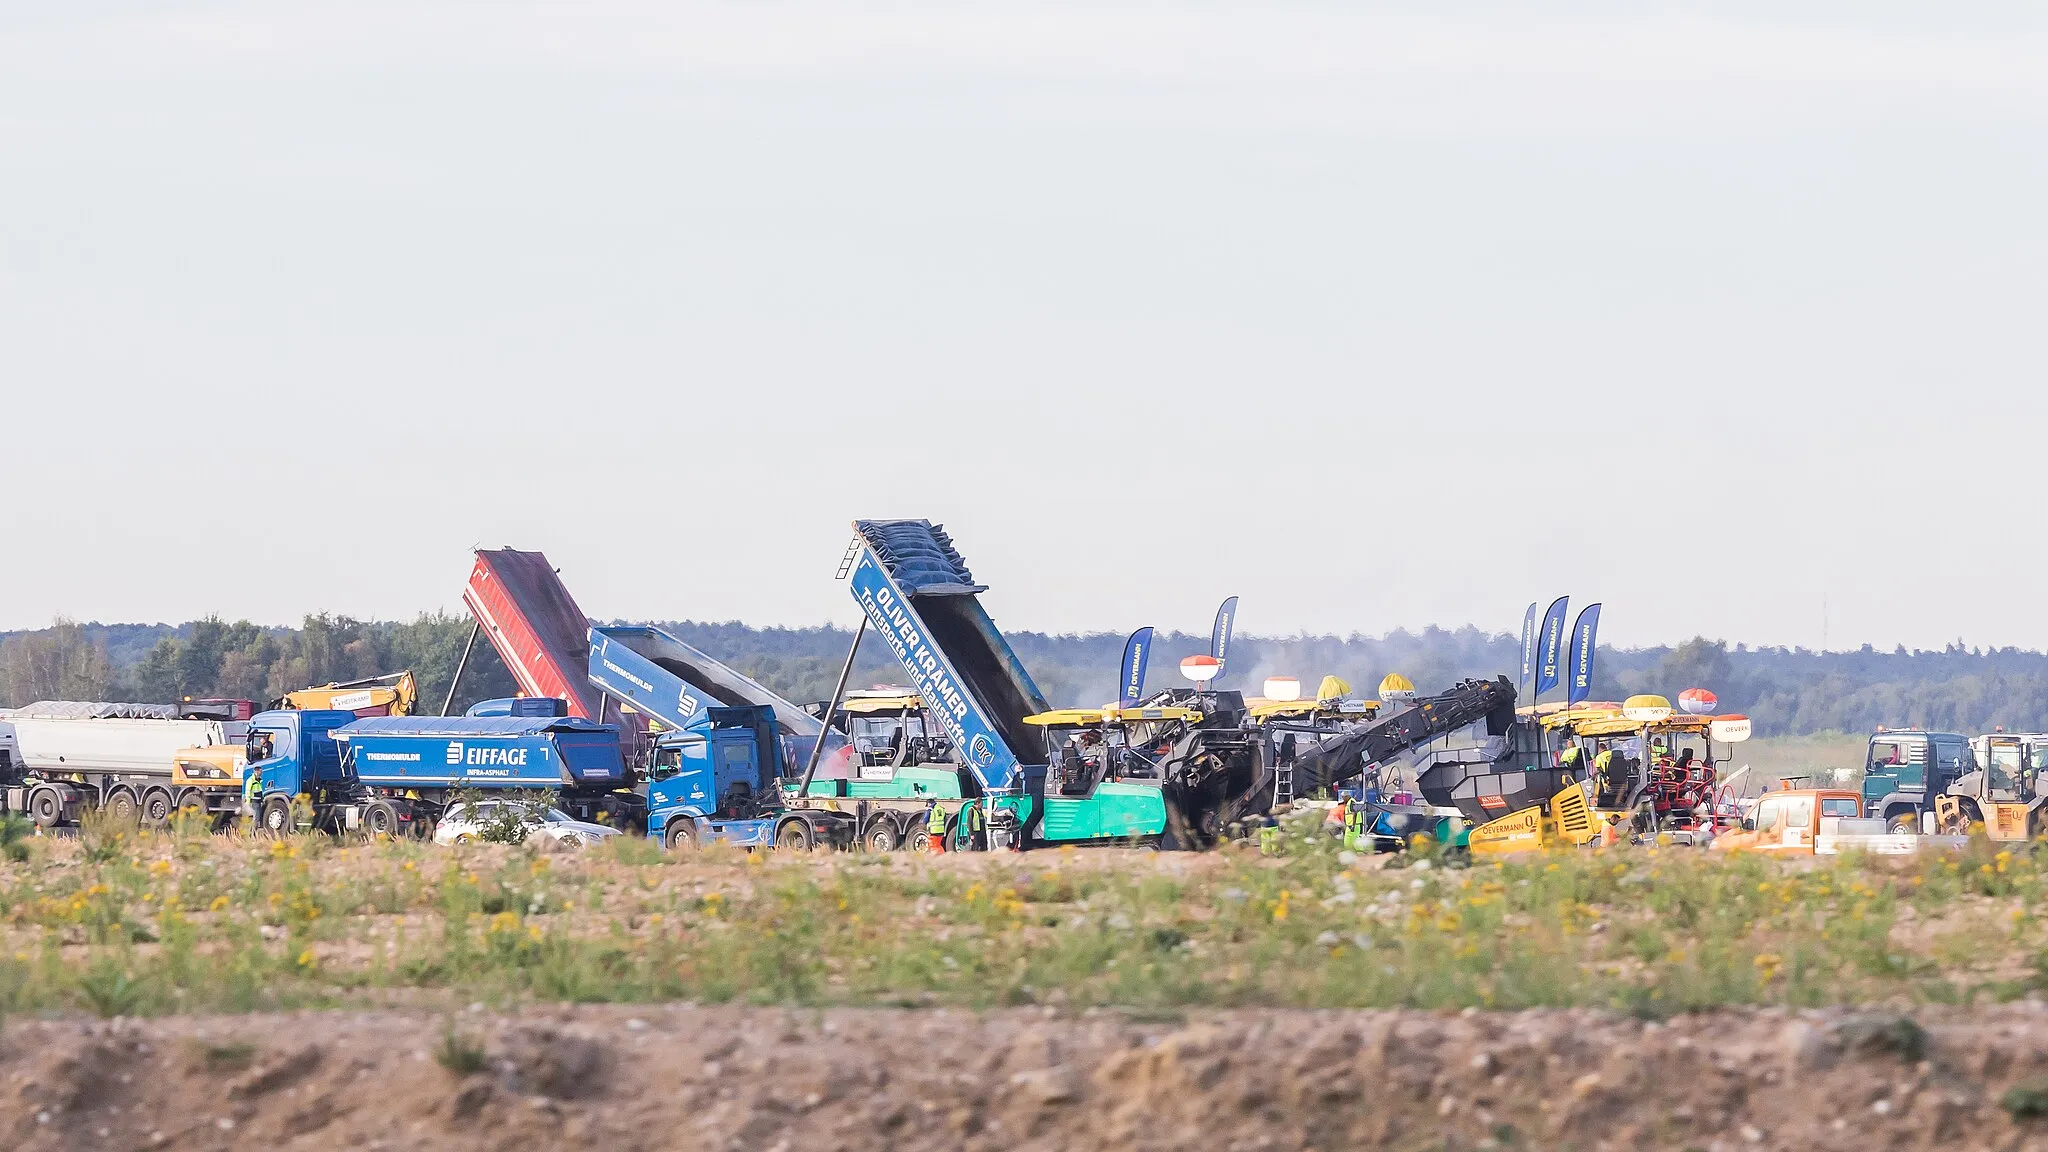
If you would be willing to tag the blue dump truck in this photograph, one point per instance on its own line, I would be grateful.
(724, 746)
(395, 775)
(722, 780)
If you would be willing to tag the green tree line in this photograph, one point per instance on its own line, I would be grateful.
(1790, 691)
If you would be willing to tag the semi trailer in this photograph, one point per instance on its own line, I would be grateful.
(396, 775)
(74, 757)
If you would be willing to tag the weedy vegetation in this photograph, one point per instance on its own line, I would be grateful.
(128, 922)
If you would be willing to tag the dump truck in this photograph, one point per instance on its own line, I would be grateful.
(73, 757)
(1904, 771)
(914, 589)
(395, 775)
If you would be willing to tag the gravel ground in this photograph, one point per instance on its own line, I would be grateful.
(685, 1077)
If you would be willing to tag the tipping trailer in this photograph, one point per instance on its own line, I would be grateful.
(676, 686)
(72, 757)
(395, 775)
(915, 589)
(724, 746)
(521, 605)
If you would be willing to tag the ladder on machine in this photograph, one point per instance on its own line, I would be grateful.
(851, 558)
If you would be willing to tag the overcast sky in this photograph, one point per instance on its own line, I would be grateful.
(1378, 315)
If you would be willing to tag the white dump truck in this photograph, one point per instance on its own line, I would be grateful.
(69, 757)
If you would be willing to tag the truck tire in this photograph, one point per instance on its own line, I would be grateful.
(191, 804)
(122, 805)
(882, 835)
(796, 836)
(1907, 822)
(380, 818)
(46, 806)
(156, 806)
(277, 815)
(679, 834)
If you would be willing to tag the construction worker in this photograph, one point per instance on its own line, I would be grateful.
(252, 783)
(1603, 773)
(1572, 759)
(977, 829)
(935, 825)
(1354, 825)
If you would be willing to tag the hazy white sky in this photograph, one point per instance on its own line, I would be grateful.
(1378, 315)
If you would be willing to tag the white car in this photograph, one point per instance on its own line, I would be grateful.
(463, 823)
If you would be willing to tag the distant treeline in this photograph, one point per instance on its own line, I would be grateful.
(1788, 691)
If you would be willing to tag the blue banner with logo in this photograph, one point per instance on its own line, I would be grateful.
(1219, 636)
(1529, 644)
(1585, 638)
(1550, 647)
(1137, 652)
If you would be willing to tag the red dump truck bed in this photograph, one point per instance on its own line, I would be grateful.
(535, 625)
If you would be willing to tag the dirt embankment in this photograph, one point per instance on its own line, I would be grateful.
(679, 1077)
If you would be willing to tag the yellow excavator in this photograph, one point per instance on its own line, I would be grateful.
(393, 694)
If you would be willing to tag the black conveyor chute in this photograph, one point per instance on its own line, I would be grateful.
(1341, 757)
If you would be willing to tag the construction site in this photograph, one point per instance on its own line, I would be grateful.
(711, 576)
(946, 912)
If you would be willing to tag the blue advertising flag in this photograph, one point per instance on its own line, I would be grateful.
(1550, 647)
(1219, 636)
(1528, 644)
(1137, 653)
(1585, 638)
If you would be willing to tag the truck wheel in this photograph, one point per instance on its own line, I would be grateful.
(381, 819)
(920, 841)
(277, 815)
(881, 835)
(156, 806)
(46, 807)
(679, 834)
(795, 836)
(121, 805)
(192, 805)
(1907, 823)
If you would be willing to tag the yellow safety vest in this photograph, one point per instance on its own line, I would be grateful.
(936, 825)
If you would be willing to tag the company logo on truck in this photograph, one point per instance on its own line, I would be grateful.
(458, 753)
(900, 627)
(629, 678)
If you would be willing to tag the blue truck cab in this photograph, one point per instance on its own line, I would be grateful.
(292, 753)
(718, 780)
(1905, 770)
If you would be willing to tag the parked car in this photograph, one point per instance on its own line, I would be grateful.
(463, 823)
